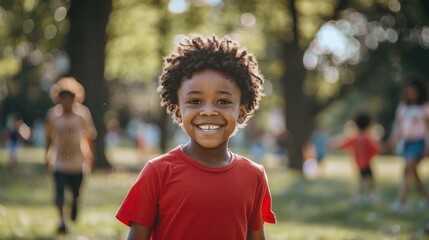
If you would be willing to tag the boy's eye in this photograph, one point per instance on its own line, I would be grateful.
(194, 101)
(224, 102)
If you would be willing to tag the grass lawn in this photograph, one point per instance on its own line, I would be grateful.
(308, 209)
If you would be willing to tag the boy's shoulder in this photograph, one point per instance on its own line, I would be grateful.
(57, 110)
(53, 112)
(169, 159)
(244, 161)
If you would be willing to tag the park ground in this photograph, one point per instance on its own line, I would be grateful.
(306, 208)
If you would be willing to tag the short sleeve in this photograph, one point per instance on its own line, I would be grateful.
(399, 110)
(89, 122)
(264, 211)
(140, 204)
(267, 212)
(347, 144)
(426, 111)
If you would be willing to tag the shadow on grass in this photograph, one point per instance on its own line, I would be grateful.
(20, 184)
(27, 208)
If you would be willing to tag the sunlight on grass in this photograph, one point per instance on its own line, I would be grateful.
(319, 208)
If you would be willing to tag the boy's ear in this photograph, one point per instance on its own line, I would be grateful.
(177, 115)
(242, 114)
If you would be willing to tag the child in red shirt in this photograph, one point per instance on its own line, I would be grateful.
(201, 190)
(363, 147)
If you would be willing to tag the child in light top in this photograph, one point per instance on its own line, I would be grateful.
(412, 121)
(202, 190)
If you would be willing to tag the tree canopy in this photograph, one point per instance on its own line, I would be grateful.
(322, 58)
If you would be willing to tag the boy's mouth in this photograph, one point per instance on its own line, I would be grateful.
(209, 127)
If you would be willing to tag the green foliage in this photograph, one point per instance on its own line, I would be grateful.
(10, 66)
(132, 49)
(140, 34)
(29, 30)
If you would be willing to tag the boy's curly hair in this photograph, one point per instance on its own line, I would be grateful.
(362, 120)
(195, 54)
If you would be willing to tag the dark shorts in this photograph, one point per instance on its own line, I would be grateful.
(73, 181)
(414, 149)
(366, 172)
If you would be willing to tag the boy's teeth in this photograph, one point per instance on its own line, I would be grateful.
(209, 127)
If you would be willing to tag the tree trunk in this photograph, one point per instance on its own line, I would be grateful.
(86, 48)
(164, 28)
(299, 107)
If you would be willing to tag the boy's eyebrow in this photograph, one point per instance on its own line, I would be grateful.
(225, 92)
(219, 91)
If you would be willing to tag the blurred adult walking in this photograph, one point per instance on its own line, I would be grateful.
(69, 149)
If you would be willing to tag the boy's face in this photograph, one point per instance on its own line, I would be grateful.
(66, 102)
(209, 108)
(411, 94)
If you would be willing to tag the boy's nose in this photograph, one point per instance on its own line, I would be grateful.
(208, 110)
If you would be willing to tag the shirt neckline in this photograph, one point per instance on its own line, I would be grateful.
(203, 167)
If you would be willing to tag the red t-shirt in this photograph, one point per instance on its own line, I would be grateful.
(180, 198)
(363, 147)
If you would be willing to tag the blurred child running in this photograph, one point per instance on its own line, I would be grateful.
(363, 147)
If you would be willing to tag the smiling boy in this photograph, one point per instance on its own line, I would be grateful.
(202, 190)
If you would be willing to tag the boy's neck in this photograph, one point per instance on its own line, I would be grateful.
(363, 131)
(211, 157)
(67, 111)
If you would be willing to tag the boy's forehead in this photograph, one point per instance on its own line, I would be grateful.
(208, 76)
(209, 82)
(207, 73)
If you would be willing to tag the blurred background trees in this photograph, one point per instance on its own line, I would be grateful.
(85, 46)
(322, 58)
